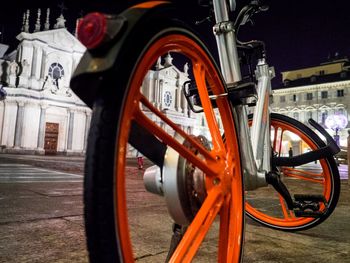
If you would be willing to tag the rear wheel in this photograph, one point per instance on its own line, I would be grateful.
(201, 182)
(267, 207)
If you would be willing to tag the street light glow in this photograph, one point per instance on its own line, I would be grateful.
(336, 121)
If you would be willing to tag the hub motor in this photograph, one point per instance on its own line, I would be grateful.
(180, 182)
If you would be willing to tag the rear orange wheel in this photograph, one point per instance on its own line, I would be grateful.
(200, 179)
(266, 206)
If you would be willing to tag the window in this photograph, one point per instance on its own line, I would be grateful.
(294, 98)
(296, 115)
(282, 99)
(324, 117)
(309, 115)
(324, 94)
(308, 96)
(322, 72)
(340, 93)
(56, 71)
(168, 98)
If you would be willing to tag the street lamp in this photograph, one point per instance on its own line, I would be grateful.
(336, 122)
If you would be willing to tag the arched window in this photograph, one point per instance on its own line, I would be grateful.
(296, 115)
(56, 71)
(324, 117)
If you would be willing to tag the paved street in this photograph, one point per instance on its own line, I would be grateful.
(41, 220)
(25, 173)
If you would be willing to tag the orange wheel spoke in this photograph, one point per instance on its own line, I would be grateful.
(305, 180)
(280, 144)
(172, 142)
(199, 75)
(304, 175)
(285, 210)
(199, 227)
(224, 223)
(228, 233)
(274, 139)
(166, 120)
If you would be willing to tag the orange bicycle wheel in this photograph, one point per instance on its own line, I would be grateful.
(267, 207)
(125, 222)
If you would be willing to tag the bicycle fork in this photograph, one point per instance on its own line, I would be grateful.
(256, 157)
(257, 160)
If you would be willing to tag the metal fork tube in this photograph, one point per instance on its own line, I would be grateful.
(260, 131)
(266, 165)
(220, 10)
(247, 160)
(259, 120)
(226, 44)
(230, 68)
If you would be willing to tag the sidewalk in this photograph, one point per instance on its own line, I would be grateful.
(43, 223)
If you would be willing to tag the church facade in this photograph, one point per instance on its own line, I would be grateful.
(41, 114)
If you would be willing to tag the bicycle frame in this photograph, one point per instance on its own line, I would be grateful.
(255, 156)
(197, 184)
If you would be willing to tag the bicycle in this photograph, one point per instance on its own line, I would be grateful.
(203, 179)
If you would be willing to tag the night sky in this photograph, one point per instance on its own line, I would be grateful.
(297, 33)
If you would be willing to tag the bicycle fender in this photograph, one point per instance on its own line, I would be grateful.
(90, 72)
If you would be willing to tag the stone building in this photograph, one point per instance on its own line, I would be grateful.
(163, 87)
(40, 113)
(321, 92)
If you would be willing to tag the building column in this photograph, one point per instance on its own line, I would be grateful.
(70, 131)
(39, 58)
(183, 104)
(19, 124)
(155, 93)
(43, 64)
(160, 95)
(178, 100)
(41, 133)
(34, 62)
(87, 128)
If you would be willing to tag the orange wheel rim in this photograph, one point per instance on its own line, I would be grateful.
(324, 179)
(221, 165)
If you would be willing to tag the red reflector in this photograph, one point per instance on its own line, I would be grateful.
(92, 30)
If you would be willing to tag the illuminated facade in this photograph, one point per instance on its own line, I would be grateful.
(40, 113)
(316, 92)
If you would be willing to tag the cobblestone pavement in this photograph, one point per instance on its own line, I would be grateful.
(41, 221)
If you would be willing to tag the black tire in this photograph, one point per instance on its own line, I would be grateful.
(329, 166)
(103, 158)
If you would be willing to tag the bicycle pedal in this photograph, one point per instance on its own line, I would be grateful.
(314, 214)
(310, 198)
(309, 205)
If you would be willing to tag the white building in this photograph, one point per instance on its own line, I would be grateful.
(316, 92)
(163, 87)
(42, 115)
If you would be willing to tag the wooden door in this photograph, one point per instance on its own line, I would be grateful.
(51, 138)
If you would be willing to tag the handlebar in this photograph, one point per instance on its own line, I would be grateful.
(247, 12)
